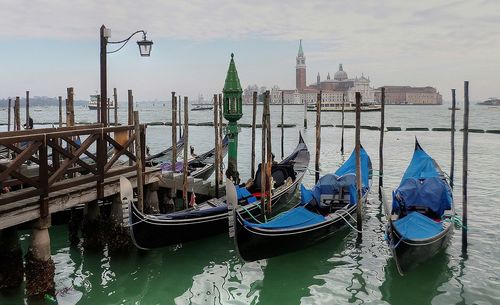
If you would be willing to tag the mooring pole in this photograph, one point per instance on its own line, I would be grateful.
(70, 108)
(359, 211)
(179, 112)
(27, 109)
(108, 112)
(305, 113)
(130, 109)
(263, 163)
(282, 124)
(452, 169)
(269, 149)
(381, 145)
(60, 111)
(8, 115)
(17, 117)
(465, 166)
(174, 131)
(254, 115)
(342, 137)
(186, 141)
(216, 136)
(98, 109)
(318, 137)
(115, 100)
(221, 126)
(138, 163)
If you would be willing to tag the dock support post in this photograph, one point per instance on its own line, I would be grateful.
(318, 137)
(138, 163)
(17, 117)
(118, 238)
(11, 259)
(91, 228)
(465, 166)
(381, 145)
(115, 99)
(453, 108)
(40, 268)
(359, 211)
(60, 111)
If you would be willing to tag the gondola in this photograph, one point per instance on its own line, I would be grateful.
(211, 217)
(419, 218)
(166, 155)
(322, 211)
(201, 166)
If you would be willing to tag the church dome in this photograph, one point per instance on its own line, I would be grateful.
(340, 74)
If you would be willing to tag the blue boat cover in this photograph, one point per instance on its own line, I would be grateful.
(349, 167)
(295, 218)
(422, 186)
(243, 193)
(417, 226)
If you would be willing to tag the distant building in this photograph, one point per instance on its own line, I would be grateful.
(341, 87)
(406, 95)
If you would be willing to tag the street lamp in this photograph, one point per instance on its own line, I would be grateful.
(105, 33)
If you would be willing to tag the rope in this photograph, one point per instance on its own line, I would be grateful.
(455, 220)
(347, 222)
(251, 215)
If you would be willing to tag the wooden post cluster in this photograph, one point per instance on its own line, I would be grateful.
(465, 166)
(254, 116)
(216, 137)
(359, 211)
(453, 108)
(381, 146)
(186, 141)
(318, 137)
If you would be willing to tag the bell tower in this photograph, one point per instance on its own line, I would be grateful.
(300, 69)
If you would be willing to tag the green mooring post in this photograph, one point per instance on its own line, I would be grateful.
(232, 105)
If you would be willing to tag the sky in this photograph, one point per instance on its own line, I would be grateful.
(47, 46)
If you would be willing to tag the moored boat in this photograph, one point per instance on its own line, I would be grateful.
(165, 155)
(420, 216)
(211, 216)
(322, 211)
(348, 107)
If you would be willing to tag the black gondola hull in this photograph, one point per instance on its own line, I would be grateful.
(254, 243)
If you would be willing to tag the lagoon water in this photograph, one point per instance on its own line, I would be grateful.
(337, 271)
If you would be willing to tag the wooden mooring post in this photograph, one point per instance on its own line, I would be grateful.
(359, 211)
(216, 140)
(27, 109)
(263, 163)
(179, 118)
(269, 163)
(465, 166)
(130, 113)
(185, 161)
(318, 137)
(305, 114)
(138, 163)
(115, 104)
(282, 124)
(173, 193)
(60, 111)
(17, 117)
(221, 126)
(254, 116)
(342, 136)
(452, 162)
(8, 115)
(381, 145)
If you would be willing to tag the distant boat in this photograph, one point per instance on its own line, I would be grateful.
(348, 106)
(37, 109)
(94, 102)
(202, 104)
(492, 101)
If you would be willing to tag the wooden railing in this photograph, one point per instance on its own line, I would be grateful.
(60, 162)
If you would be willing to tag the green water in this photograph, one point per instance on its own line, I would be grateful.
(336, 271)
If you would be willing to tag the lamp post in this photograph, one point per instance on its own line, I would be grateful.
(105, 33)
(232, 104)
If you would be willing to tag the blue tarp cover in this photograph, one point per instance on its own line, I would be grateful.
(244, 193)
(422, 186)
(349, 167)
(417, 226)
(294, 218)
